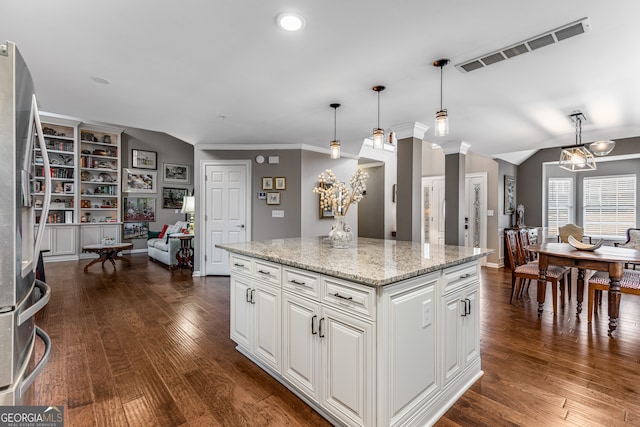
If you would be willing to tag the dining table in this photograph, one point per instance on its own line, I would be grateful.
(605, 258)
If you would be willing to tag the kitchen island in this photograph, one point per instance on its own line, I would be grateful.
(382, 333)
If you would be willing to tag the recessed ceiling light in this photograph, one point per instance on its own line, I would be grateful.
(100, 80)
(290, 21)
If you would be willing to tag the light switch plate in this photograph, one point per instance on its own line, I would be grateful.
(490, 212)
(277, 214)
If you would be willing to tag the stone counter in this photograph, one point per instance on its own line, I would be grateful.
(373, 262)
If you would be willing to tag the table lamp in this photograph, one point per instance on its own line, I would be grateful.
(189, 207)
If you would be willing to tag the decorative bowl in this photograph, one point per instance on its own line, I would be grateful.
(584, 246)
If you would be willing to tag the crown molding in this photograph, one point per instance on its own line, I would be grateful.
(410, 130)
(264, 147)
(455, 147)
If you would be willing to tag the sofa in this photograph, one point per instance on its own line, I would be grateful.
(161, 248)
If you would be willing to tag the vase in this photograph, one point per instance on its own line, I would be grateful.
(340, 234)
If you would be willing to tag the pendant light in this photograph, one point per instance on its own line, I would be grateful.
(577, 158)
(334, 146)
(601, 148)
(378, 133)
(442, 118)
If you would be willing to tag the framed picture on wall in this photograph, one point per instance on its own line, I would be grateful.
(509, 194)
(135, 230)
(267, 183)
(178, 174)
(325, 212)
(280, 183)
(138, 209)
(139, 181)
(172, 197)
(142, 159)
(273, 198)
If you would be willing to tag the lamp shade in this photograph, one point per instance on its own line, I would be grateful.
(334, 149)
(378, 138)
(442, 123)
(188, 204)
(577, 159)
(601, 148)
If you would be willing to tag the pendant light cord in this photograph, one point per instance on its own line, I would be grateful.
(335, 121)
(441, 87)
(378, 109)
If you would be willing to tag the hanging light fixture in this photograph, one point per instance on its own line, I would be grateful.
(442, 118)
(601, 148)
(577, 158)
(334, 146)
(378, 133)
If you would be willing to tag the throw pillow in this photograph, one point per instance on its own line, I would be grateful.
(164, 230)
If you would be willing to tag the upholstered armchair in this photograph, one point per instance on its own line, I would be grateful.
(633, 242)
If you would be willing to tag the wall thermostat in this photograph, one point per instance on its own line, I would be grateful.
(259, 159)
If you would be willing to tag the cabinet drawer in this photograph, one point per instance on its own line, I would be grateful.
(267, 272)
(357, 299)
(302, 282)
(460, 275)
(240, 264)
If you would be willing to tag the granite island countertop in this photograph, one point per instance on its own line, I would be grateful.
(372, 262)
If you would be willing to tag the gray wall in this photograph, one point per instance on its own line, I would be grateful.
(371, 208)
(169, 150)
(530, 176)
(263, 225)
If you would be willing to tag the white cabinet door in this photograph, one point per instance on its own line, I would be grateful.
(348, 345)
(461, 334)
(471, 325)
(241, 309)
(64, 240)
(267, 320)
(90, 235)
(301, 346)
(453, 309)
(111, 231)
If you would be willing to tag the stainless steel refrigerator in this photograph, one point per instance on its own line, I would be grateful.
(21, 294)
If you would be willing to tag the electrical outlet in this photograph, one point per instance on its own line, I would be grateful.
(426, 313)
(277, 214)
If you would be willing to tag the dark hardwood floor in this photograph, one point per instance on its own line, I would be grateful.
(142, 347)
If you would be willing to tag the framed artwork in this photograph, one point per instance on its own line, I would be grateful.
(280, 183)
(324, 211)
(144, 159)
(178, 174)
(273, 198)
(139, 209)
(172, 197)
(267, 183)
(509, 194)
(135, 230)
(68, 187)
(139, 181)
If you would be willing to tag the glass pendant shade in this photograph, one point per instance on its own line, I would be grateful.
(334, 149)
(378, 138)
(601, 148)
(334, 146)
(577, 159)
(442, 123)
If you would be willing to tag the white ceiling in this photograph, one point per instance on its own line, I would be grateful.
(214, 71)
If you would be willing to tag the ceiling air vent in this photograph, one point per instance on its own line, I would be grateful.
(545, 39)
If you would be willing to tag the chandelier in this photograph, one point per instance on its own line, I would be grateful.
(577, 158)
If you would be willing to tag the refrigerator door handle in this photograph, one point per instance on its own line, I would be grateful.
(26, 382)
(44, 299)
(35, 117)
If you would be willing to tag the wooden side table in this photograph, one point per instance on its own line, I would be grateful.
(185, 254)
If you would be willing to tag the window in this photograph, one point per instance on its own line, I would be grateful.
(609, 205)
(559, 204)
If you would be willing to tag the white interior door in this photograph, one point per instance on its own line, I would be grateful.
(475, 233)
(433, 210)
(227, 208)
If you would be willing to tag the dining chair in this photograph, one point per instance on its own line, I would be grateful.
(633, 242)
(522, 271)
(629, 284)
(571, 230)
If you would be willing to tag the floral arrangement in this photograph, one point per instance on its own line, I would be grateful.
(336, 195)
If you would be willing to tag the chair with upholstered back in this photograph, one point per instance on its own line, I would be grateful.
(521, 270)
(629, 284)
(633, 242)
(571, 230)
